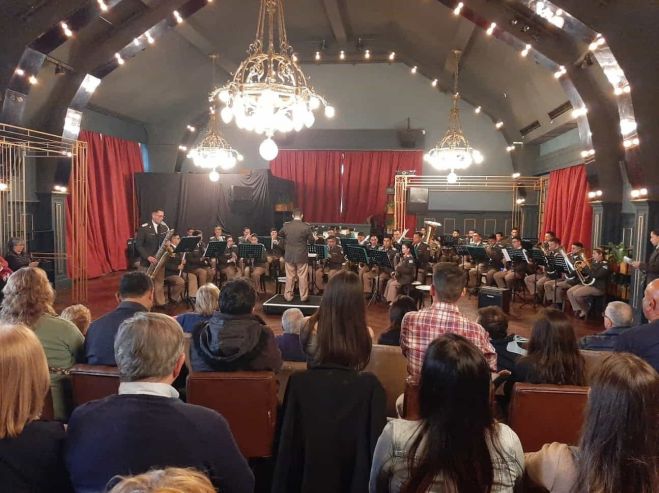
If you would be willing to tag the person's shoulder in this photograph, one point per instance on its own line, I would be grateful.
(505, 434)
(61, 325)
(46, 429)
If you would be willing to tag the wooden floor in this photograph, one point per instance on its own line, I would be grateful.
(101, 299)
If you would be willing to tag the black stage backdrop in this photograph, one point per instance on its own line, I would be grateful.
(191, 200)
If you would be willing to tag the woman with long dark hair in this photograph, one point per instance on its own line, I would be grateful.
(397, 310)
(333, 413)
(619, 447)
(456, 446)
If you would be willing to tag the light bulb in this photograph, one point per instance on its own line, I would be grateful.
(223, 96)
(478, 157)
(214, 176)
(452, 177)
(330, 111)
(226, 114)
(309, 119)
(314, 103)
(268, 149)
(3, 187)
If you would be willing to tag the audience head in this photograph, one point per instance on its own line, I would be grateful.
(618, 449)
(618, 314)
(170, 480)
(292, 320)
(398, 309)
(28, 295)
(16, 245)
(79, 315)
(24, 379)
(448, 281)
(650, 300)
(494, 320)
(553, 351)
(237, 297)
(297, 214)
(149, 347)
(454, 404)
(157, 215)
(136, 287)
(207, 300)
(342, 335)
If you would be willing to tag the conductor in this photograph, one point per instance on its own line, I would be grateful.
(296, 256)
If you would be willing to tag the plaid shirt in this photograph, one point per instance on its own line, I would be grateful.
(420, 328)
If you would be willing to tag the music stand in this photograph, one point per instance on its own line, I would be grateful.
(346, 242)
(381, 259)
(251, 252)
(356, 254)
(516, 256)
(187, 244)
(215, 249)
(462, 251)
(478, 256)
(321, 251)
(266, 241)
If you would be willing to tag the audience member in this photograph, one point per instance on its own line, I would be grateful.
(619, 447)
(618, 318)
(78, 315)
(420, 328)
(397, 310)
(643, 341)
(456, 445)
(206, 302)
(170, 480)
(289, 342)
(31, 451)
(146, 425)
(29, 300)
(495, 321)
(333, 412)
(234, 339)
(553, 356)
(17, 257)
(135, 295)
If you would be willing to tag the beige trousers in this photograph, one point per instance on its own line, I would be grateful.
(302, 272)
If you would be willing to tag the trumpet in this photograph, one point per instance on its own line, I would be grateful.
(583, 271)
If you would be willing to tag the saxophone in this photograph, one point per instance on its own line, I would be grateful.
(161, 255)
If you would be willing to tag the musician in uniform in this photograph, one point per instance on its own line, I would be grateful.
(536, 283)
(256, 267)
(579, 294)
(404, 274)
(297, 234)
(332, 265)
(275, 255)
(650, 268)
(247, 233)
(173, 271)
(499, 239)
(218, 234)
(397, 236)
(147, 242)
(493, 265)
(422, 254)
(227, 263)
(385, 272)
(559, 286)
(198, 267)
(368, 273)
(517, 269)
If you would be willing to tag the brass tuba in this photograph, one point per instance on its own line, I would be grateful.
(161, 256)
(431, 227)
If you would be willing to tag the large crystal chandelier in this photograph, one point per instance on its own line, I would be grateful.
(453, 151)
(214, 151)
(269, 92)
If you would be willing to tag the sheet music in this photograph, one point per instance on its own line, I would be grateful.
(505, 255)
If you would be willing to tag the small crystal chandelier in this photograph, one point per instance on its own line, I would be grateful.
(269, 92)
(453, 151)
(214, 151)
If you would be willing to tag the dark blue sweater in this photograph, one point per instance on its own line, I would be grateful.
(131, 434)
(643, 341)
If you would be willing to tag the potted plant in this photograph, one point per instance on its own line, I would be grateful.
(617, 255)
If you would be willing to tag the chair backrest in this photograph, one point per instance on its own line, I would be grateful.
(390, 366)
(246, 399)
(542, 414)
(593, 361)
(91, 382)
(48, 412)
(287, 369)
(411, 400)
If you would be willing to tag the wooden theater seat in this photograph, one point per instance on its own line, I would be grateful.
(246, 399)
(91, 382)
(542, 414)
(390, 366)
(287, 369)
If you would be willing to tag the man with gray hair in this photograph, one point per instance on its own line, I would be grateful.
(292, 321)
(146, 425)
(618, 318)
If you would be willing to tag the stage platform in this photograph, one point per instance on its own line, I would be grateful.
(278, 305)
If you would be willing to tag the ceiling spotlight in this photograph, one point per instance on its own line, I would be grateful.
(477, 109)
(490, 29)
(560, 72)
(510, 148)
(643, 192)
(577, 112)
(182, 148)
(520, 201)
(635, 194)
(214, 176)
(317, 57)
(20, 72)
(190, 128)
(102, 5)
(434, 83)
(120, 60)
(413, 69)
(452, 177)
(342, 55)
(367, 54)
(458, 8)
(597, 42)
(149, 38)
(65, 28)
(177, 16)
(599, 193)
(392, 55)
(516, 175)
(526, 50)
(498, 125)
(32, 80)
(136, 42)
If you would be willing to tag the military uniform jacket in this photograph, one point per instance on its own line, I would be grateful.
(406, 270)
(229, 257)
(651, 267)
(172, 264)
(277, 248)
(422, 253)
(391, 253)
(335, 257)
(195, 259)
(148, 240)
(297, 234)
(600, 272)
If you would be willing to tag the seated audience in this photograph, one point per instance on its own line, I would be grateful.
(643, 341)
(333, 412)
(135, 295)
(397, 310)
(17, 256)
(553, 356)
(170, 480)
(289, 342)
(206, 302)
(420, 328)
(619, 447)
(495, 321)
(457, 445)
(31, 451)
(29, 299)
(146, 425)
(79, 315)
(618, 318)
(234, 339)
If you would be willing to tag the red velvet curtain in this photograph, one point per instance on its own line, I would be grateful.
(111, 210)
(323, 178)
(567, 211)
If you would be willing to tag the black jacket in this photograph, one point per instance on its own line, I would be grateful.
(148, 240)
(651, 267)
(17, 261)
(332, 418)
(234, 343)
